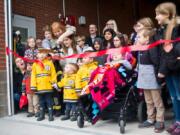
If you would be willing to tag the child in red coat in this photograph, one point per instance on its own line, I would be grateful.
(33, 101)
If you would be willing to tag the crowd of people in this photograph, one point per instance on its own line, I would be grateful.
(55, 85)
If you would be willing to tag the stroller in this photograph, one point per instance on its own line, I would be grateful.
(128, 103)
(109, 92)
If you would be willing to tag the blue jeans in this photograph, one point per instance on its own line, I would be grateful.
(45, 99)
(71, 107)
(173, 84)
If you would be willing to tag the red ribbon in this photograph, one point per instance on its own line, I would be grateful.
(103, 52)
(8, 51)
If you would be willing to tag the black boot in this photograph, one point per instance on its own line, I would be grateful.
(66, 116)
(57, 113)
(50, 111)
(73, 116)
(42, 115)
(37, 114)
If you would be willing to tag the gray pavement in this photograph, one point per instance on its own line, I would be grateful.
(21, 125)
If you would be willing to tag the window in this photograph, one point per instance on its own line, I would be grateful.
(26, 26)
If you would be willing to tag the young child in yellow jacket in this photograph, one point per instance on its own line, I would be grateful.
(84, 73)
(42, 78)
(69, 93)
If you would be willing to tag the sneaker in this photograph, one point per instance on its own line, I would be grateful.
(30, 115)
(146, 124)
(172, 128)
(159, 127)
(176, 131)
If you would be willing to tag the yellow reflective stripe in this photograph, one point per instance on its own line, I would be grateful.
(58, 107)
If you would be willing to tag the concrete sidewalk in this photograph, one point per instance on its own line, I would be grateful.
(21, 125)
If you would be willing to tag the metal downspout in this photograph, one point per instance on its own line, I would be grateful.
(9, 61)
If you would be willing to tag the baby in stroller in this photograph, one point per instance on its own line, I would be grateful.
(101, 88)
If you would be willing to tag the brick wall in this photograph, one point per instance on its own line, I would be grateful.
(2, 37)
(87, 8)
(121, 11)
(3, 83)
(44, 11)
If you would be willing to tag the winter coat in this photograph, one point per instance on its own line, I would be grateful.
(26, 83)
(83, 75)
(171, 61)
(68, 83)
(90, 41)
(31, 54)
(46, 43)
(103, 82)
(42, 78)
(161, 54)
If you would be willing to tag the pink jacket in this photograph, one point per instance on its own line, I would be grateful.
(102, 85)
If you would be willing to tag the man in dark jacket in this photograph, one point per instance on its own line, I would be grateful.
(92, 35)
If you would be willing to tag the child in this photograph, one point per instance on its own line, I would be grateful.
(68, 48)
(152, 91)
(42, 78)
(46, 43)
(118, 41)
(118, 59)
(84, 73)
(69, 93)
(170, 29)
(39, 43)
(81, 46)
(31, 52)
(142, 23)
(33, 101)
(98, 46)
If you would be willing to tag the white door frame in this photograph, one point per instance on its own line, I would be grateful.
(25, 22)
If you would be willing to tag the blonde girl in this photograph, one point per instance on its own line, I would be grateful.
(169, 29)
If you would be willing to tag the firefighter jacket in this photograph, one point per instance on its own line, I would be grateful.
(83, 75)
(43, 77)
(68, 83)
